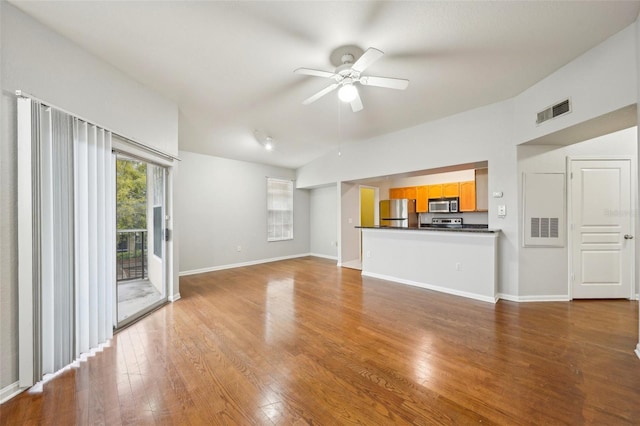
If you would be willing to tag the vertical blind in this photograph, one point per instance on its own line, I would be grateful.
(66, 235)
(279, 209)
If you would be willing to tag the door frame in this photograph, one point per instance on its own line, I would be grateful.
(634, 208)
(122, 149)
(376, 211)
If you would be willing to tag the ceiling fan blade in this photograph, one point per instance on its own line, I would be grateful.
(316, 73)
(368, 57)
(320, 94)
(356, 103)
(388, 82)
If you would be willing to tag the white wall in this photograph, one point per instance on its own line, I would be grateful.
(637, 51)
(44, 64)
(483, 134)
(457, 176)
(543, 271)
(349, 219)
(323, 221)
(222, 204)
(600, 82)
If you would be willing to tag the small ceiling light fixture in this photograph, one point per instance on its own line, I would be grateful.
(347, 92)
(268, 143)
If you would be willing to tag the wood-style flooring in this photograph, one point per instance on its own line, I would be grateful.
(305, 342)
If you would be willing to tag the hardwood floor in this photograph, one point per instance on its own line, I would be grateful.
(304, 342)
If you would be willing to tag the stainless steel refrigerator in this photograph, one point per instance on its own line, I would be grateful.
(398, 213)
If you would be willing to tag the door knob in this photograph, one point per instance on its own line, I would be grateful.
(628, 237)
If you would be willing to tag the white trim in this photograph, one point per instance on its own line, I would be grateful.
(9, 391)
(240, 265)
(324, 256)
(540, 298)
(174, 297)
(637, 351)
(432, 287)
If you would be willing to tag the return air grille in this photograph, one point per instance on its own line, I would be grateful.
(554, 111)
(544, 227)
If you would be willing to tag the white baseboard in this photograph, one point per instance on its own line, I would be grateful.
(638, 350)
(174, 297)
(240, 265)
(324, 256)
(543, 298)
(9, 391)
(433, 287)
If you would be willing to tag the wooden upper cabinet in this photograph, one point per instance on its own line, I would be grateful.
(467, 196)
(422, 199)
(396, 193)
(435, 191)
(399, 193)
(451, 189)
(410, 192)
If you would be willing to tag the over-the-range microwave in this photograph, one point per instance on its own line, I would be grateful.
(443, 205)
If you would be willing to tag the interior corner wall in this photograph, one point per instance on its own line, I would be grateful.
(349, 219)
(323, 233)
(543, 271)
(42, 63)
(222, 206)
(637, 50)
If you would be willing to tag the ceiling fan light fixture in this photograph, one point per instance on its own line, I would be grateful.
(347, 93)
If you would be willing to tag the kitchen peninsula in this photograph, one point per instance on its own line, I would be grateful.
(458, 261)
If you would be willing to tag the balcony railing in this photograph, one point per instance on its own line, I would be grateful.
(131, 254)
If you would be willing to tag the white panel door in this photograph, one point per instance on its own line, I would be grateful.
(601, 218)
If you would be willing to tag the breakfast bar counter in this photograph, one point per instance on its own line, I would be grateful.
(460, 261)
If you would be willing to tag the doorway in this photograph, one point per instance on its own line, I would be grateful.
(140, 240)
(601, 235)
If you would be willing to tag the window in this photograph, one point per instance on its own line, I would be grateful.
(279, 209)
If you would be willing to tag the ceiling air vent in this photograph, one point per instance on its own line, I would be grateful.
(554, 111)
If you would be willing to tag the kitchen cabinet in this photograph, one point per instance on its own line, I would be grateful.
(399, 193)
(451, 189)
(422, 199)
(467, 196)
(395, 193)
(410, 192)
(482, 190)
(435, 191)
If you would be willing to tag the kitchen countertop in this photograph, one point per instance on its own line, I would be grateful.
(465, 228)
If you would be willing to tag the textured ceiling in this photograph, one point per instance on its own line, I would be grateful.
(229, 65)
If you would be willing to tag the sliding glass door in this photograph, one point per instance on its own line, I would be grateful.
(140, 238)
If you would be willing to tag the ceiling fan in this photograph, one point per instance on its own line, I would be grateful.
(349, 73)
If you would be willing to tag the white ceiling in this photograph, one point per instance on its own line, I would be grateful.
(229, 65)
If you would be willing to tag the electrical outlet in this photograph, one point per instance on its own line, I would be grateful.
(368, 254)
(239, 248)
(502, 210)
(350, 220)
(458, 266)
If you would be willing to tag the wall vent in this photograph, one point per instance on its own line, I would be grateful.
(545, 227)
(554, 111)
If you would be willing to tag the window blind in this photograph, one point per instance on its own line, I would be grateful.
(279, 209)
